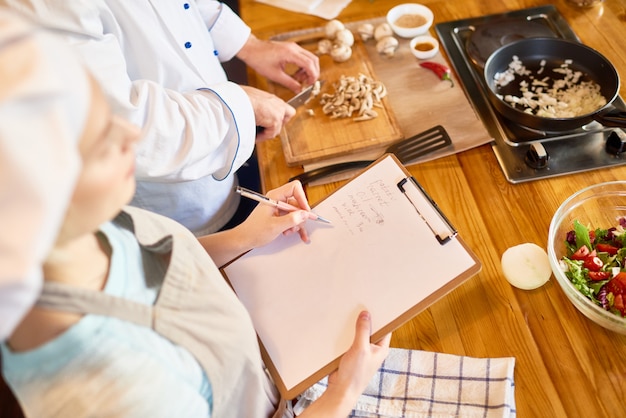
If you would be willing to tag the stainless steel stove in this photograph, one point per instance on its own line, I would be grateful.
(523, 153)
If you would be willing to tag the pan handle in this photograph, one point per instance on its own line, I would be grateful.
(614, 118)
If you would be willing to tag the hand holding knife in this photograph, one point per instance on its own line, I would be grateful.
(300, 98)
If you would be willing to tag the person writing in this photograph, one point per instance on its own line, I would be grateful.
(160, 64)
(134, 318)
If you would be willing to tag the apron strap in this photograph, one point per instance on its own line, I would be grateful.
(63, 297)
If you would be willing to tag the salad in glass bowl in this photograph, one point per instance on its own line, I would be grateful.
(587, 252)
(594, 262)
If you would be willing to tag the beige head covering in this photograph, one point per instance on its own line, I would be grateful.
(44, 100)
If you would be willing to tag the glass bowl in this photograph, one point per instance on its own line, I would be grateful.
(597, 206)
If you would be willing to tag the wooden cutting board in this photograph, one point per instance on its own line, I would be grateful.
(313, 138)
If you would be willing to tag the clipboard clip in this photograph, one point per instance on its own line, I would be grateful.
(440, 226)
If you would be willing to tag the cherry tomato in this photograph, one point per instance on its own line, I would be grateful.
(593, 262)
(617, 285)
(598, 275)
(581, 253)
(607, 248)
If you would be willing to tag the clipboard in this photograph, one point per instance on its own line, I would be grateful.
(389, 250)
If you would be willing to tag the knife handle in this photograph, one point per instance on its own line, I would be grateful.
(328, 170)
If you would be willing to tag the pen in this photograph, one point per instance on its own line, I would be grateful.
(251, 194)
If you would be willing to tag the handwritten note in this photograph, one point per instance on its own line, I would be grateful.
(379, 254)
(364, 208)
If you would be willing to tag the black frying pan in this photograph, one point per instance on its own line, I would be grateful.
(531, 52)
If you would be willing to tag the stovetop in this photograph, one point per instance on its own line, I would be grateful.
(520, 150)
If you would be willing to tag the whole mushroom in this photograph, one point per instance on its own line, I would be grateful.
(366, 31)
(332, 28)
(341, 52)
(324, 46)
(387, 46)
(345, 37)
(382, 31)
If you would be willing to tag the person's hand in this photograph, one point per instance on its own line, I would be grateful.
(270, 112)
(361, 361)
(262, 226)
(265, 223)
(356, 368)
(271, 59)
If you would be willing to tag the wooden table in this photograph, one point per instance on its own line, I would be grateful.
(565, 364)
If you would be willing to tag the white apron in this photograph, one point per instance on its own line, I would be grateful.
(195, 309)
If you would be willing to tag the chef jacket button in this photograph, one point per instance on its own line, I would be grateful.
(187, 45)
(186, 6)
(215, 52)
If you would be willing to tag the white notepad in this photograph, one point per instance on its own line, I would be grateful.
(389, 250)
(326, 9)
(300, 4)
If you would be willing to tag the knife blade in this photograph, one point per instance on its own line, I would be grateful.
(301, 98)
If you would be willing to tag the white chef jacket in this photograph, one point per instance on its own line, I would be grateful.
(160, 62)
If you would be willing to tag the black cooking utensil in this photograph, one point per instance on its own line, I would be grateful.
(406, 150)
(553, 52)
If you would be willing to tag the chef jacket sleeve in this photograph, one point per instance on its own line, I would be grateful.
(187, 135)
(228, 31)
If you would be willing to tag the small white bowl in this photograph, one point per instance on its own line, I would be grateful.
(424, 47)
(409, 20)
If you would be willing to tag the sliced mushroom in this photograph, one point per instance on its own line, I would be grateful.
(327, 108)
(339, 99)
(379, 91)
(317, 86)
(353, 95)
(367, 115)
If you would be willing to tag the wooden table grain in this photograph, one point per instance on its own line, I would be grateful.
(566, 366)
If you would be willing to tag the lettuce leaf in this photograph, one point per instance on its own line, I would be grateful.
(577, 277)
(582, 235)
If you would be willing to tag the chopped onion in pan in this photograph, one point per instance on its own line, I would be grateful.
(567, 96)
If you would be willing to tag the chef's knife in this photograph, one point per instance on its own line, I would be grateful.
(301, 98)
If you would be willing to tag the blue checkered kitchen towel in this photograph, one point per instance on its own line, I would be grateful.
(414, 383)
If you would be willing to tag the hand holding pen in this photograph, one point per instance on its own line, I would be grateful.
(262, 226)
(266, 229)
(279, 204)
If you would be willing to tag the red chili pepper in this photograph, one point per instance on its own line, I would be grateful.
(441, 70)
